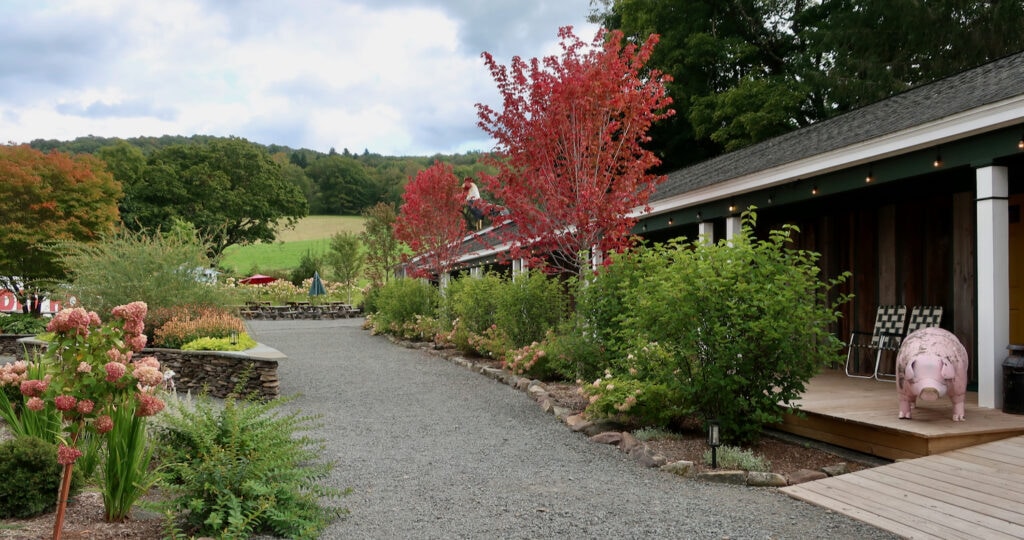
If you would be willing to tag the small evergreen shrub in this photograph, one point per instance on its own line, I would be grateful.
(241, 468)
(731, 457)
(183, 324)
(31, 477)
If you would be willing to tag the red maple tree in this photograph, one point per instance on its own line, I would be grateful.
(569, 146)
(431, 222)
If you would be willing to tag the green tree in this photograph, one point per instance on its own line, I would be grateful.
(45, 198)
(344, 186)
(345, 259)
(230, 189)
(747, 70)
(382, 248)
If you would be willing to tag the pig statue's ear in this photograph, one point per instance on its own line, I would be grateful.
(909, 372)
(947, 370)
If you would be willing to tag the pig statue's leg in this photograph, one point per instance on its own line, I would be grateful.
(958, 407)
(904, 407)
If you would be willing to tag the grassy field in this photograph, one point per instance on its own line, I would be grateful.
(312, 234)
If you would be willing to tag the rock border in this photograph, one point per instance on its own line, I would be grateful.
(612, 433)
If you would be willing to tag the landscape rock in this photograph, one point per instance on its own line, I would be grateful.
(681, 467)
(629, 442)
(608, 437)
(577, 422)
(647, 457)
(522, 383)
(537, 392)
(738, 478)
(765, 479)
(836, 470)
(805, 475)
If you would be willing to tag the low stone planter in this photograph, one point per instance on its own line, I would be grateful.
(215, 372)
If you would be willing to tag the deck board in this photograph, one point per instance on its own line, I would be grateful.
(968, 493)
(862, 414)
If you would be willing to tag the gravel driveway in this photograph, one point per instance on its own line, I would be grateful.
(433, 450)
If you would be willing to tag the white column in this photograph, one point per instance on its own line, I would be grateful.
(476, 272)
(596, 258)
(519, 266)
(706, 230)
(993, 283)
(733, 226)
(443, 280)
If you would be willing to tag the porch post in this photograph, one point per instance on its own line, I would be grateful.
(596, 258)
(993, 282)
(733, 226)
(706, 230)
(443, 280)
(518, 267)
(476, 272)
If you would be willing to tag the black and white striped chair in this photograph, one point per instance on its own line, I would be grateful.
(920, 317)
(886, 336)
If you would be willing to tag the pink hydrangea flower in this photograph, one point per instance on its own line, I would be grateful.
(67, 455)
(33, 387)
(85, 406)
(84, 367)
(148, 405)
(148, 376)
(103, 424)
(148, 361)
(71, 321)
(35, 404)
(64, 402)
(116, 355)
(134, 315)
(137, 342)
(115, 370)
(19, 367)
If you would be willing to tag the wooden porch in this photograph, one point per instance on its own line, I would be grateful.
(861, 414)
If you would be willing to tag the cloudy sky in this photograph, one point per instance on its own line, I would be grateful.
(395, 77)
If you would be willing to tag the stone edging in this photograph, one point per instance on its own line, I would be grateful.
(608, 432)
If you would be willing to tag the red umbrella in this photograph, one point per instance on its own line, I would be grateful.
(257, 279)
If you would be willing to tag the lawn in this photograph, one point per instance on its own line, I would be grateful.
(312, 234)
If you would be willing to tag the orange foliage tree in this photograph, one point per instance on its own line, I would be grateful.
(569, 146)
(45, 198)
(431, 222)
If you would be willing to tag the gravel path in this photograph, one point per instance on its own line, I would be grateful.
(433, 450)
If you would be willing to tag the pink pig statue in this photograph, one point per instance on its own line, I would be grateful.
(931, 363)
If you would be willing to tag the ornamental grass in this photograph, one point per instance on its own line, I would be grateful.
(183, 324)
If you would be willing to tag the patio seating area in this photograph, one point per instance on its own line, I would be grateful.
(299, 310)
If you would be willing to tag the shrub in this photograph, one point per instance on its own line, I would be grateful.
(401, 300)
(309, 264)
(529, 306)
(183, 324)
(574, 352)
(633, 401)
(161, 270)
(31, 476)
(731, 457)
(22, 324)
(220, 344)
(240, 468)
(473, 302)
(741, 325)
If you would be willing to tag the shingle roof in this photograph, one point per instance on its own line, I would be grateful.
(990, 83)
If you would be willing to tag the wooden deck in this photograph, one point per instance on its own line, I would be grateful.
(861, 414)
(974, 492)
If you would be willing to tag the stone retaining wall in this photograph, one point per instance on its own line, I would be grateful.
(9, 345)
(217, 373)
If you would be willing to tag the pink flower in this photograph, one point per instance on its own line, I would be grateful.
(84, 367)
(137, 342)
(115, 370)
(148, 376)
(85, 406)
(33, 387)
(65, 402)
(19, 367)
(67, 455)
(72, 321)
(116, 355)
(103, 424)
(148, 405)
(94, 318)
(148, 361)
(134, 315)
(35, 404)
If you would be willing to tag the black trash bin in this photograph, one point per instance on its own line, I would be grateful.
(1013, 380)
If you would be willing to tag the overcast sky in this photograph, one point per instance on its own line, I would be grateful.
(395, 77)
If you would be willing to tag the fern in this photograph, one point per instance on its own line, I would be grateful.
(240, 469)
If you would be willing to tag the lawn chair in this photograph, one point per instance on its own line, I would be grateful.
(886, 336)
(920, 317)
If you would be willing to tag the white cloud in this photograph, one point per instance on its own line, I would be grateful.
(397, 77)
